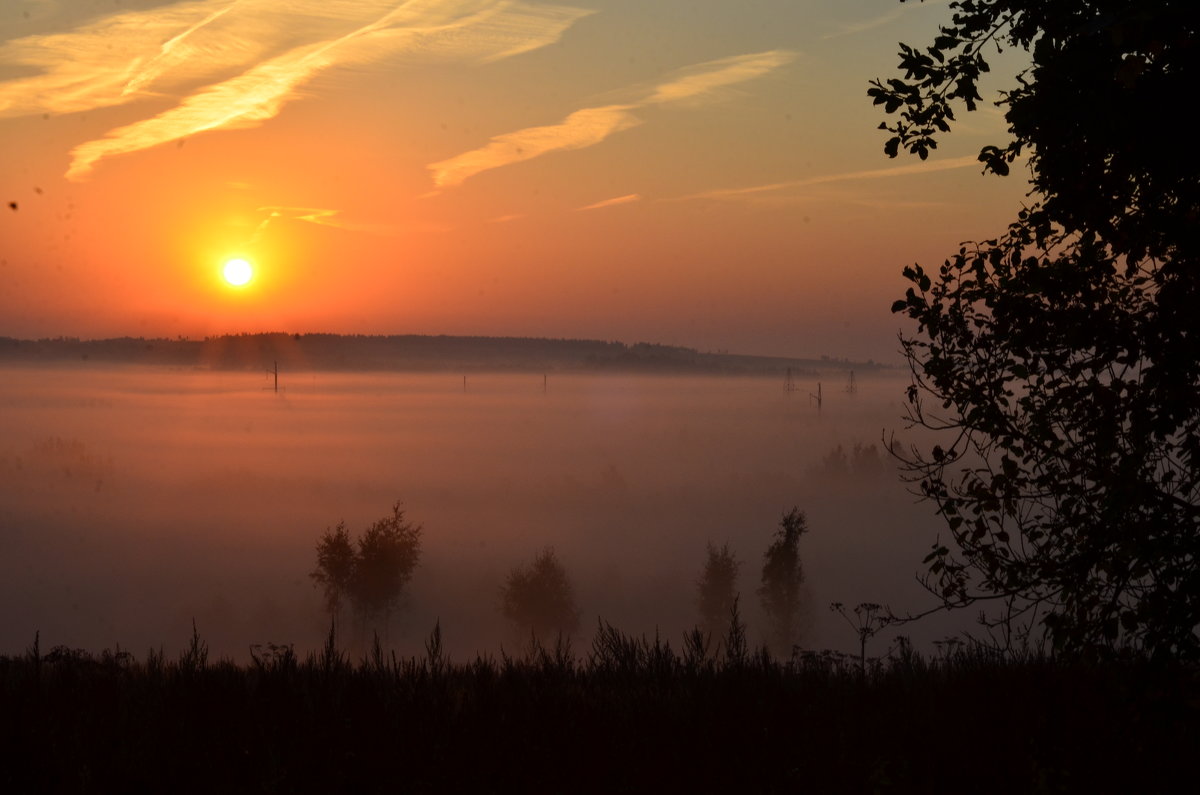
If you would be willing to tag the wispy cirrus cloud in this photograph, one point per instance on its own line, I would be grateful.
(262, 51)
(582, 128)
(323, 217)
(705, 78)
(921, 167)
(109, 61)
(590, 126)
(632, 197)
(880, 20)
(504, 219)
(169, 53)
(243, 101)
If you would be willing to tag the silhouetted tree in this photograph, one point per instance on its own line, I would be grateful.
(387, 554)
(539, 598)
(335, 569)
(717, 588)
(782, 578)
(373, 576)
(1062, 358)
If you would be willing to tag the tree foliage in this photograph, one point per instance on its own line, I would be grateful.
(1062, 358)
(717, 588)
(335, 568)
(539, 599)
(782, 581)
(374, 575)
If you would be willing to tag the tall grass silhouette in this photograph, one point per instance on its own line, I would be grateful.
(627, 713)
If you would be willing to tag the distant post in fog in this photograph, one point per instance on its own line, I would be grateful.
(816, 397)
(275, 372)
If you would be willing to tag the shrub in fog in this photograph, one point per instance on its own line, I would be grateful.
(717, 588)
(539, 599)
(862, 462)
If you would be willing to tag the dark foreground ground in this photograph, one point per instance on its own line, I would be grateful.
(624, 715)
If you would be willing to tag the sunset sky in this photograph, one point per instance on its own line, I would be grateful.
(704, 173)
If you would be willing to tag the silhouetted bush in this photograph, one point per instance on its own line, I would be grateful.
(717, 587)
(539, 598)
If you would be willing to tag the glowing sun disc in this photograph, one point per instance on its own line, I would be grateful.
(238, 272)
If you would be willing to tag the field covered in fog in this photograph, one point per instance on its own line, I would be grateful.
(134, 500)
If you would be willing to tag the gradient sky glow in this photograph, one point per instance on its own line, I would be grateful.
(696, 172)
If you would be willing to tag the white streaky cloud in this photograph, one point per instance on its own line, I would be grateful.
(122, 57)
(171, 52)
(194, 39)
(525, 28)
(460, 29)
(91, 66)
(827, 196)
(315, 215)
(323, 217)
(466, 30)
(114, 59)
(245, 101)
(707, 77)
(867, 24)
(590, 126)
(582, 128)
(922, 167)
(632, 197)
(491, 33)
(879, 21)
(919, 167)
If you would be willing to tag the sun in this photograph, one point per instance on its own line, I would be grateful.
(238, 272)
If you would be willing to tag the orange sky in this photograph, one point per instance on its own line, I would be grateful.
(694, 172)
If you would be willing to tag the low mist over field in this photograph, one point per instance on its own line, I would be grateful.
(488, 186)
(135, 499)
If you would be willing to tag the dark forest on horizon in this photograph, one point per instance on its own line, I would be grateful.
(409, 352)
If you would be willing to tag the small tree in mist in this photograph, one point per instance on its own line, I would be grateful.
(387, 554)
(373, 576)
(335, 569)
(539, 599)
(717, 588)
(782, 578)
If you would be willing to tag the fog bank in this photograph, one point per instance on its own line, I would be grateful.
(134, 500)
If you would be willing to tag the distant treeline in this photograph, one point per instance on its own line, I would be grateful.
(410, 352)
